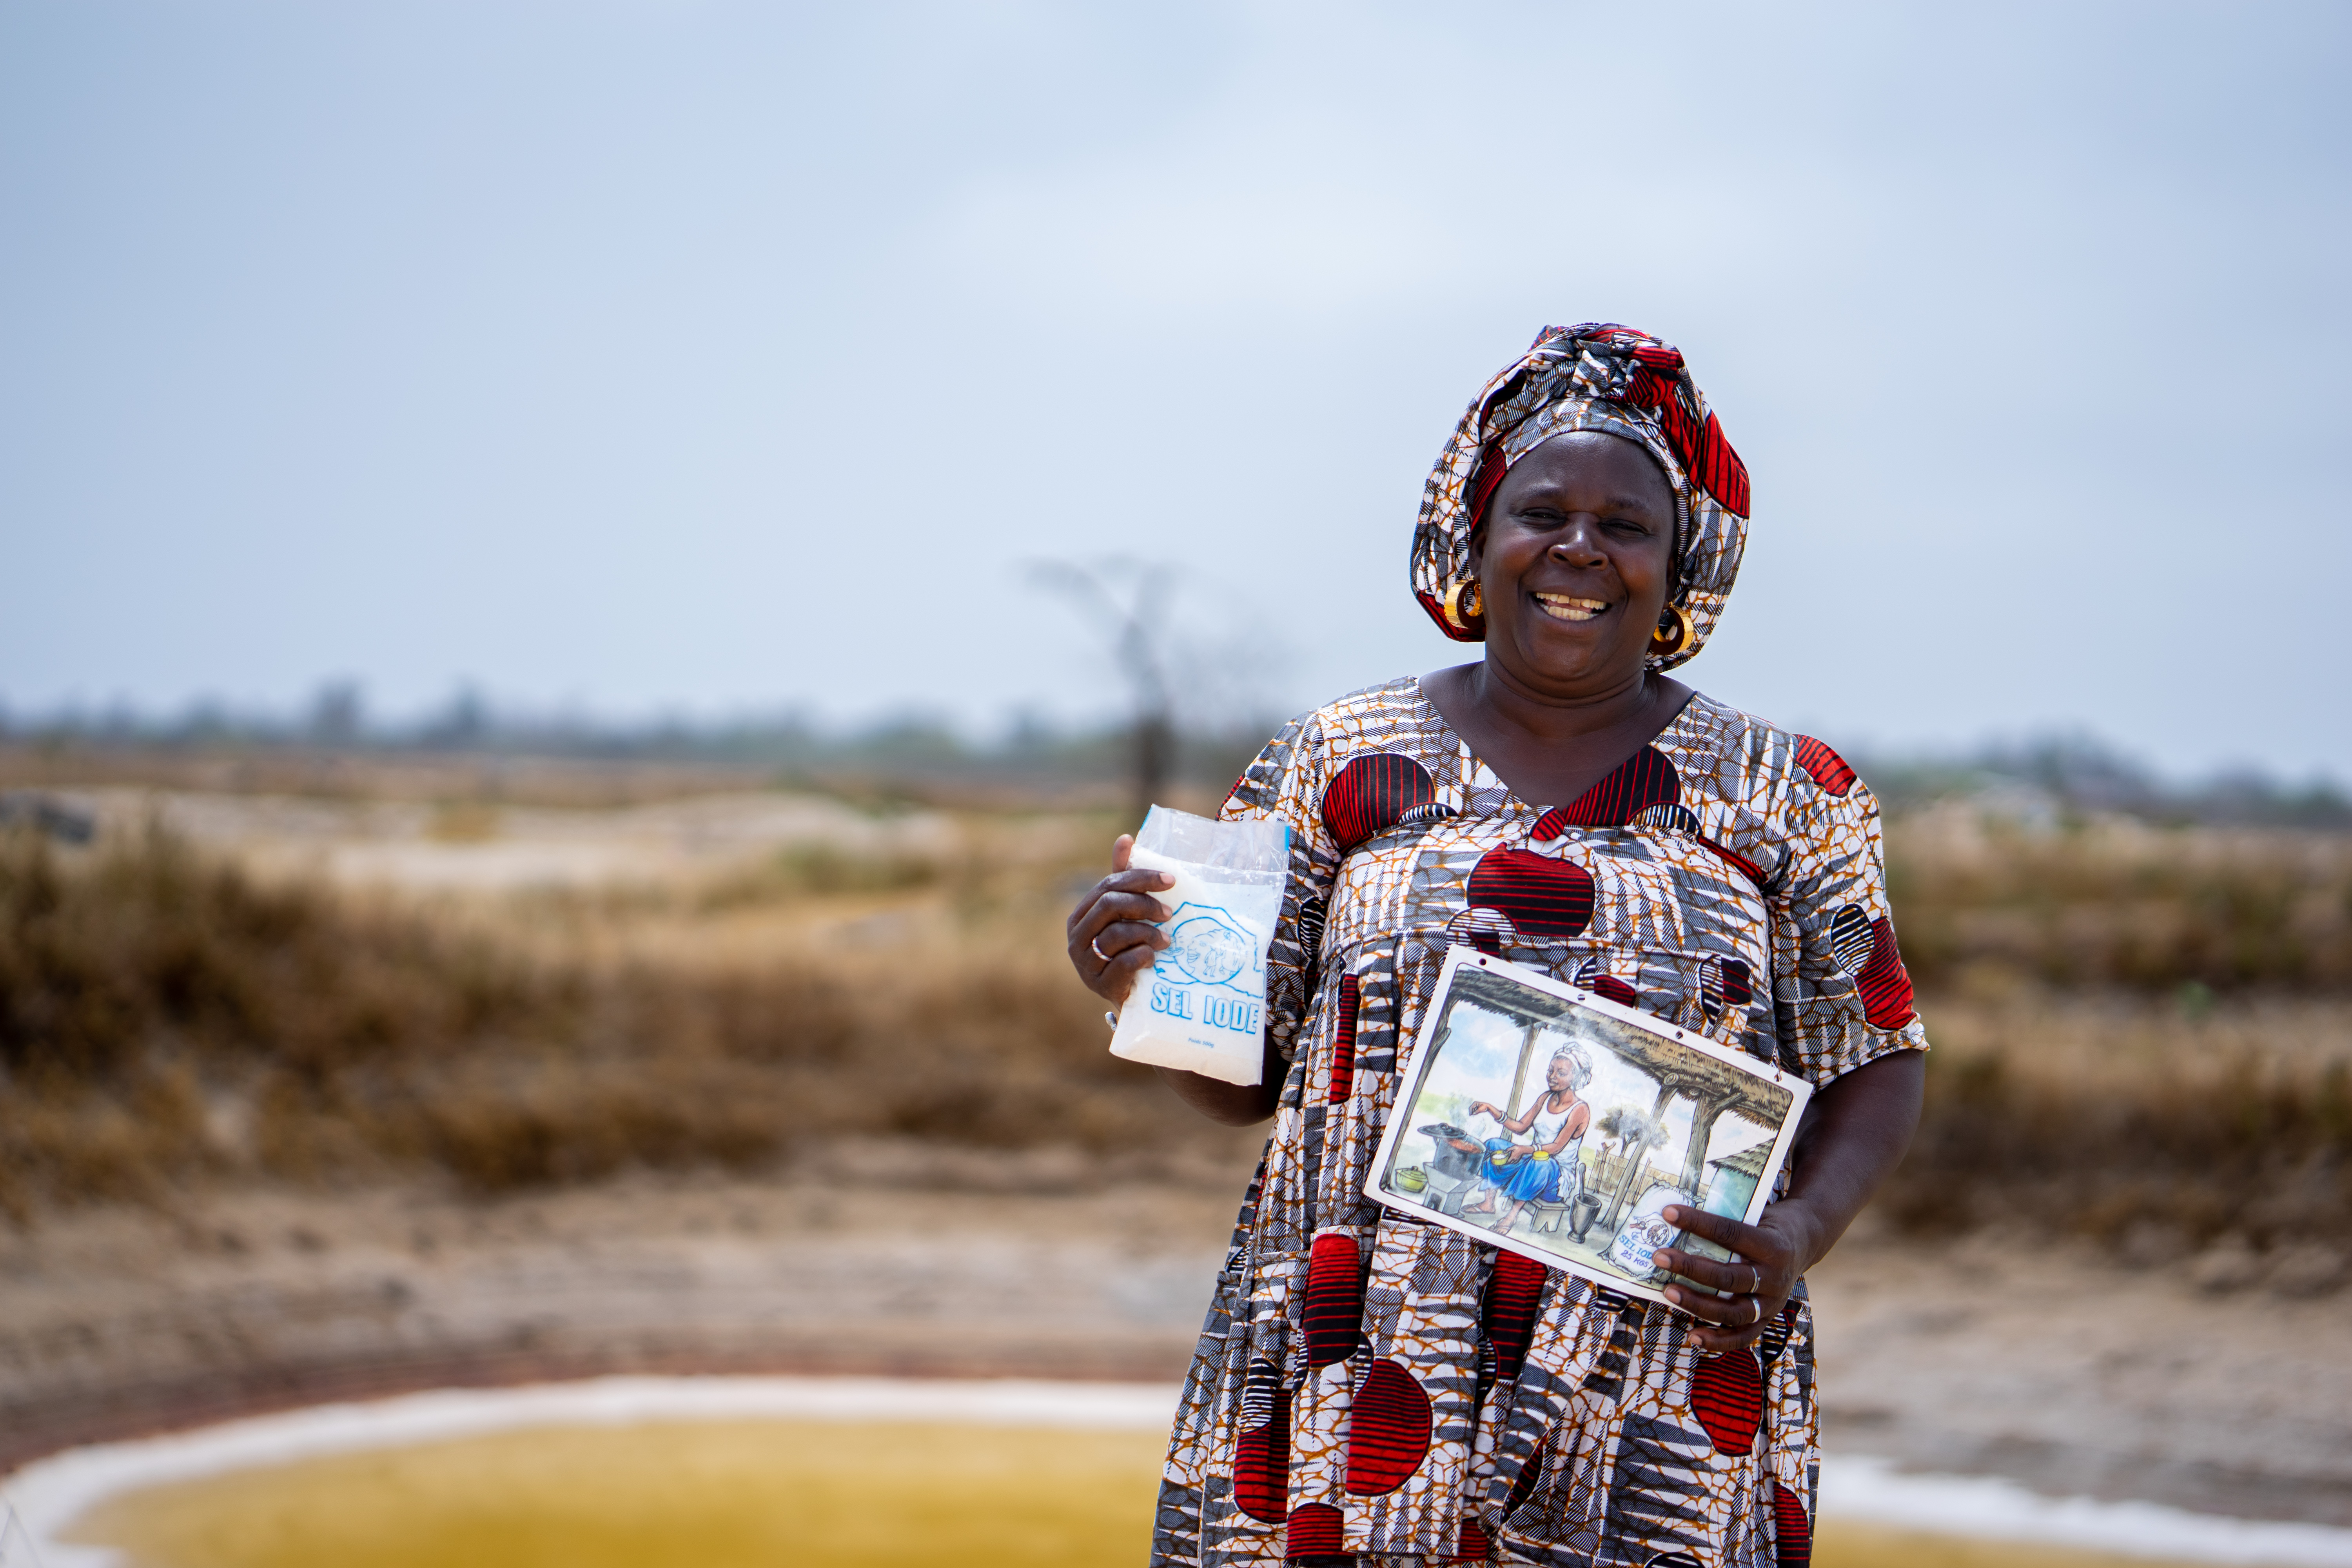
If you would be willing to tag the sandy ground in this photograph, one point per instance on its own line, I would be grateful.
(471, 847)
(2052, 1367)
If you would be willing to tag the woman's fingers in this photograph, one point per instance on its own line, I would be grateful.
(1136, 884)
(1723, 1325)
(1124, 895)
(1738, 1278)
(1747, 1240)
(1108, 959)
(1101, 949)
(1139, 880)
(1120, 970)
(1730, 1311)
(1758, 1280)
(1114, 931)
(1116, 908)
(1752, 1243)
(1121, 936)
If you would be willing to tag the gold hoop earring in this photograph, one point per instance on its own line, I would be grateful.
(1464, 603)
(1674, 633)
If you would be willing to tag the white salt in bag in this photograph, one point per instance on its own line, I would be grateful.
(1202, 1006)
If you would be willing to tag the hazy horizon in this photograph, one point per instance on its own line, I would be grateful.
(710, 359)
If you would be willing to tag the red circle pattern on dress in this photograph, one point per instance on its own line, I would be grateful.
(1641, 781)
(1507, 1318)
(1332, 1321)
(1372, 795)
(1315, 1530)
(1262, 1452)
(1883, 984)
(1792, 1533)
(1387, 1430)
(1343, 1050)
(1727, 1397)
(1544, 898)
(1829, 769)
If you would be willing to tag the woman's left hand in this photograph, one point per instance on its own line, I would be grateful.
(1773, 1256)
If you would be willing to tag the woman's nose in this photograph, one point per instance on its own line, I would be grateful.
(1579, 544)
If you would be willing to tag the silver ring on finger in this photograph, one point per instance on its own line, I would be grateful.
(1755, 1284)
(1096, 943)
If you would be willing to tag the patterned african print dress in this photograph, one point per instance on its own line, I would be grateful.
(1371, 1384)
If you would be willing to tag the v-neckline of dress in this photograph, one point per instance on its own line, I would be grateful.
(1473, 763)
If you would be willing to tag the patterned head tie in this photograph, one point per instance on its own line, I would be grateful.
(1597, 376)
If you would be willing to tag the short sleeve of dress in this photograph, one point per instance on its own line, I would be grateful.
(1840, 995)
(1286, 781)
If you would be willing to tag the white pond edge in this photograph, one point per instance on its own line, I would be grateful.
(49, 1495)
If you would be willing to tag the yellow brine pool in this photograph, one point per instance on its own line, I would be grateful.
(719, 1474)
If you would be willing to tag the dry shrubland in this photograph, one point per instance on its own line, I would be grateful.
(164, 1017)
(2118, 903)
(2144, 1034)
(2151, 1126)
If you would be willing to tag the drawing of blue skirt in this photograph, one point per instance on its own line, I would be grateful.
(1527, 1179)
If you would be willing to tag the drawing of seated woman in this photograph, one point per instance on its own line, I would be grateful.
(1548, 1167)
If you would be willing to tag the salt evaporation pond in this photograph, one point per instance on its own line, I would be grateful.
(851, 1473)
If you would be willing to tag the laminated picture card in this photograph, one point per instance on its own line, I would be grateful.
(1540, 1117)
(1202, 1006)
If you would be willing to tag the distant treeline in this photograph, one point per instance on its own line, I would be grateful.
(2049, 778)
(2054, 778)
(916, 749)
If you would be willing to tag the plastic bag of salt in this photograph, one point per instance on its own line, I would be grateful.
(1202, 1006)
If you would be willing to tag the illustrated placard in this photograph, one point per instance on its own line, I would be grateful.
(1542, 1117)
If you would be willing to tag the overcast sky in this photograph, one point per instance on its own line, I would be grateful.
(714, 357)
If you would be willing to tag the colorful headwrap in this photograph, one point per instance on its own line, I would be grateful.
(1597, 376)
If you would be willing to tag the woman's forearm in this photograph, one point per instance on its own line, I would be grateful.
(1852, 1137)
(1235, 1104)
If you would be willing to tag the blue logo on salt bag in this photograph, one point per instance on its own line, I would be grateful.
(1194, 978)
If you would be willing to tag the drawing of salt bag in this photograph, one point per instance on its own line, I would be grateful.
(1645, 1230)
(1202, 1006)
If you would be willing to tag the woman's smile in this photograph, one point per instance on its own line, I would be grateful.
(1568, 607)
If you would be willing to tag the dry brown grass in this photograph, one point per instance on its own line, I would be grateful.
(2116, 902)
(2143, 1035)
(162, 1018)
(2151, 1126)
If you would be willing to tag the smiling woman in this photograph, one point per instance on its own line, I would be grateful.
(1371, 1387)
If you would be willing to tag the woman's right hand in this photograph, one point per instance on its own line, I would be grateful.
(1114, 931)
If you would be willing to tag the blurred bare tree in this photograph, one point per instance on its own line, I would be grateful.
(338, 714)
(1125, 599)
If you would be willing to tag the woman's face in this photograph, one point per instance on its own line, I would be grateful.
(1562, 1077)
(1573, 564)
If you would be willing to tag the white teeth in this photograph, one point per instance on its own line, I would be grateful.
(1561, 606)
